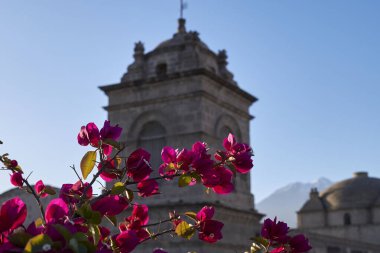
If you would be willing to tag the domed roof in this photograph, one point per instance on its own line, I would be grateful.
(182, 37)
(360, 191)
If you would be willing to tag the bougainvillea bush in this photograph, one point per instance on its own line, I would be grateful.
(74, 222)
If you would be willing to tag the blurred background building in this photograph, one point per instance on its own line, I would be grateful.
(345, 218)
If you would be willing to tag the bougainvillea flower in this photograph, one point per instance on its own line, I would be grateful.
(279, 250)
(13, 164)
(185, 158)
(16, 179)
(89, 134)
(169, 155)
(210, 231)
(201, 161)
(40, 187)
(110, 172)
(139, 217)
(71, 193)
(138, 167)
(110, 132)
(299, 244)
(127, 241)
(79, 187)
(12, 214)
(110, 205)
(240, 154)
(206, 213)
(243, 160)
(275, 231)
(219, 179)
(147, 188)
(56, 210)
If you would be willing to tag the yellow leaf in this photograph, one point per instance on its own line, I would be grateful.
(117, 188)
(88, 163)
(184, 230)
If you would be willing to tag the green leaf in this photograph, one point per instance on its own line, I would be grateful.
(261, 241)
(96, 218)
(191, 215)
(88, 163)
(38, 243)
(20, 239)
(184, 230)
(93, 217)
(80, 237)
(184, 180)
(49, 190)
(95, 232)
(118, 188)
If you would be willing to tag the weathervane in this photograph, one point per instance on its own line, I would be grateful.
(182, 7)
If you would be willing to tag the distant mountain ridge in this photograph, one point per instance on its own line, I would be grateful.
(286, 201)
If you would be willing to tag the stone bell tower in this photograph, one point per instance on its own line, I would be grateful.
(174, 95)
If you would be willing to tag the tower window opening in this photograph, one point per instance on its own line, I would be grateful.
(161, 70)
(347, 219)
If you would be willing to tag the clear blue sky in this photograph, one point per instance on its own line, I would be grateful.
(314, 65)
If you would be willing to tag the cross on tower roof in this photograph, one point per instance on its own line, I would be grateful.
(183, 5)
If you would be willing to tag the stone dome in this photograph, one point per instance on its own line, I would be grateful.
(360, 191)
(182, 37)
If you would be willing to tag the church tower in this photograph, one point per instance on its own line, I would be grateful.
(174, 95)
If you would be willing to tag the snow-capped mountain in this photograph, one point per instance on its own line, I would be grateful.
(286, 201)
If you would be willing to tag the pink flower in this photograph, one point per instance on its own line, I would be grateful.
(275, 231)
(110, 205)
(16, 179)
(201, 161)
(12, 214)
(127, 241)
(219, 179)
(138, 167)
(240, 153)
(110, 172)
(185, 158)
(169, 155)
(278, 250)
(110, 132)
(13, 164)
(136, 221)
(299, 244)
(139, 217)
(39, 187)
(56, 210)
(71, 193)
(206, 213)
(210, 231)
(89, 134)
(147, 188)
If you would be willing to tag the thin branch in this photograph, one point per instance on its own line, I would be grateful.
(37, 198)
(159, 223)
(158, 234)
(73, 167)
